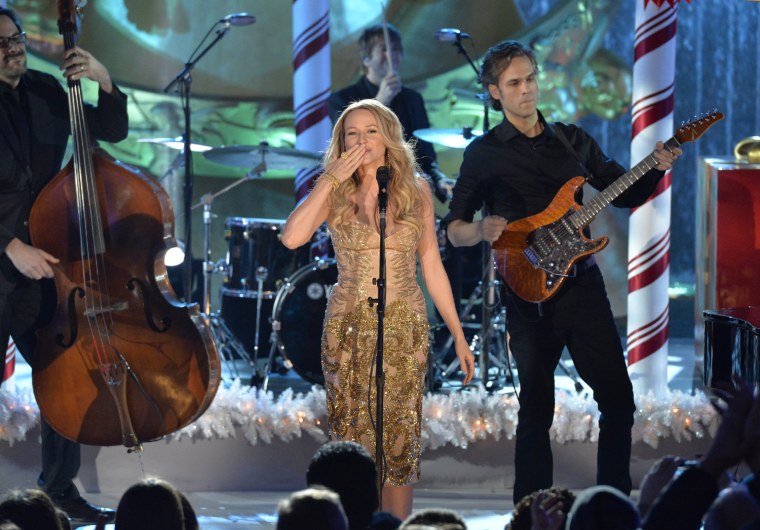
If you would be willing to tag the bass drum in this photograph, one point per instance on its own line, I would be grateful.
(298, 316)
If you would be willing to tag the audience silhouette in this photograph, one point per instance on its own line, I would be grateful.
(30, 509)
(542, 509)
(348, 469)
(438, 518)
(602, 507)
(151, 504)
(315, 508)
(686, 500)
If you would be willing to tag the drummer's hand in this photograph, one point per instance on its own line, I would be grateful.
(466, 359)
(491, 227)
(346, 163)
(30, 261)
(390, 86)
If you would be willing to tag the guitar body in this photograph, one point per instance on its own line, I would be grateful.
(536, 254)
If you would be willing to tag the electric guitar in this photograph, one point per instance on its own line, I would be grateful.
(536, 254)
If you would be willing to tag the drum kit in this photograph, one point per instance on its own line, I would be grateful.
(267, 288)
(273, 299)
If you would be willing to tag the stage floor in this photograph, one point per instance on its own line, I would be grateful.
(475, 480)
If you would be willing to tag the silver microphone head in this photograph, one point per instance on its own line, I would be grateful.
(450, 35)
(238, 19)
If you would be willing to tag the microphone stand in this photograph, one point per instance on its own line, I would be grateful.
(185, 80)
(382, 201)
(460, 49)
(489, 276)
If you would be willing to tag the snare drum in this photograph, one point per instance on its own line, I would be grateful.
(298, 316)
(255, 252)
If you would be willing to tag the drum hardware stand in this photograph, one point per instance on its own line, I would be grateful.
(226, 337)
(206, 201)
(276, 345)
(490, 301)
(489, 323)
(227, 342)
(261, 276)
(479, 346)
(573, 377)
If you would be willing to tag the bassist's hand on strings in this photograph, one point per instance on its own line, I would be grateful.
(665, 157)
(79, 63)
(491, 227)
(30, 261)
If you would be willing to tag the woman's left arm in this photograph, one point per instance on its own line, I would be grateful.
(439, 287)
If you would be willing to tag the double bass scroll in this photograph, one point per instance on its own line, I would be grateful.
(122, 361)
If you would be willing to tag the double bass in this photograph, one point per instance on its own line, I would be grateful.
(122, 361)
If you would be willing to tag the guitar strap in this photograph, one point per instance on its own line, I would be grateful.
(590, 261)
(562, 138)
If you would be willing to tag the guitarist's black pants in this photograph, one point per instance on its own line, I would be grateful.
(579, 316)
(22, 311)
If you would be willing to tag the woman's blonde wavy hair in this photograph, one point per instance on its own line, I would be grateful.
(405, 188)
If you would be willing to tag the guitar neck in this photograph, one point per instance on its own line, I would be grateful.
(589, 211)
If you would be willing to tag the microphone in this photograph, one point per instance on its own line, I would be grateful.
(383, 175)
(450, 35)
(238, 19)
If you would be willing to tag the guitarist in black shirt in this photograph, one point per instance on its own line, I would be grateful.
(515, 170)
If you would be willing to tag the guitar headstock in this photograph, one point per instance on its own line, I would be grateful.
(70, 17)
(695, 128)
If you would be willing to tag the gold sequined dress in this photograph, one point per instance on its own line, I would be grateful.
(349, 342)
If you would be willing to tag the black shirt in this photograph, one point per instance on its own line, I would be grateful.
(516, 176)
(14, 102)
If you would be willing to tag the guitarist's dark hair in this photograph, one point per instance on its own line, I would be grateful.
(497, 59)
(11, 15)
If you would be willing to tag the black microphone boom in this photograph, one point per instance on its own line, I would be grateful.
(238, 19)
(450, 35)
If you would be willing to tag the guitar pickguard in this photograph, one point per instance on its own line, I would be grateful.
(552, 248)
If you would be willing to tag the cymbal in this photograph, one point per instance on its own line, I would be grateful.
(448, 137)
(252, 155)
(175, 143)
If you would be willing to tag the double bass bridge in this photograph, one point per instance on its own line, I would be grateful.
(98, 310)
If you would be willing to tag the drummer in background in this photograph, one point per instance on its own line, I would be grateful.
(384, 84)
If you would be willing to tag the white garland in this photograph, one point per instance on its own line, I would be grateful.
(458, 418)
(18, 413)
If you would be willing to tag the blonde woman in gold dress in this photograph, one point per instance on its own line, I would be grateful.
(366, 136)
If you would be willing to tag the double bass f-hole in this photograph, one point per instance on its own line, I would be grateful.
(122, 360)
(165, 321)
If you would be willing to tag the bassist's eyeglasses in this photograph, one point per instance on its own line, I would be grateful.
(18, 39)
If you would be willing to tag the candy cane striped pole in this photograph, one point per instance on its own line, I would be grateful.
(311, 83)
(10, 362)
(649, 229)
